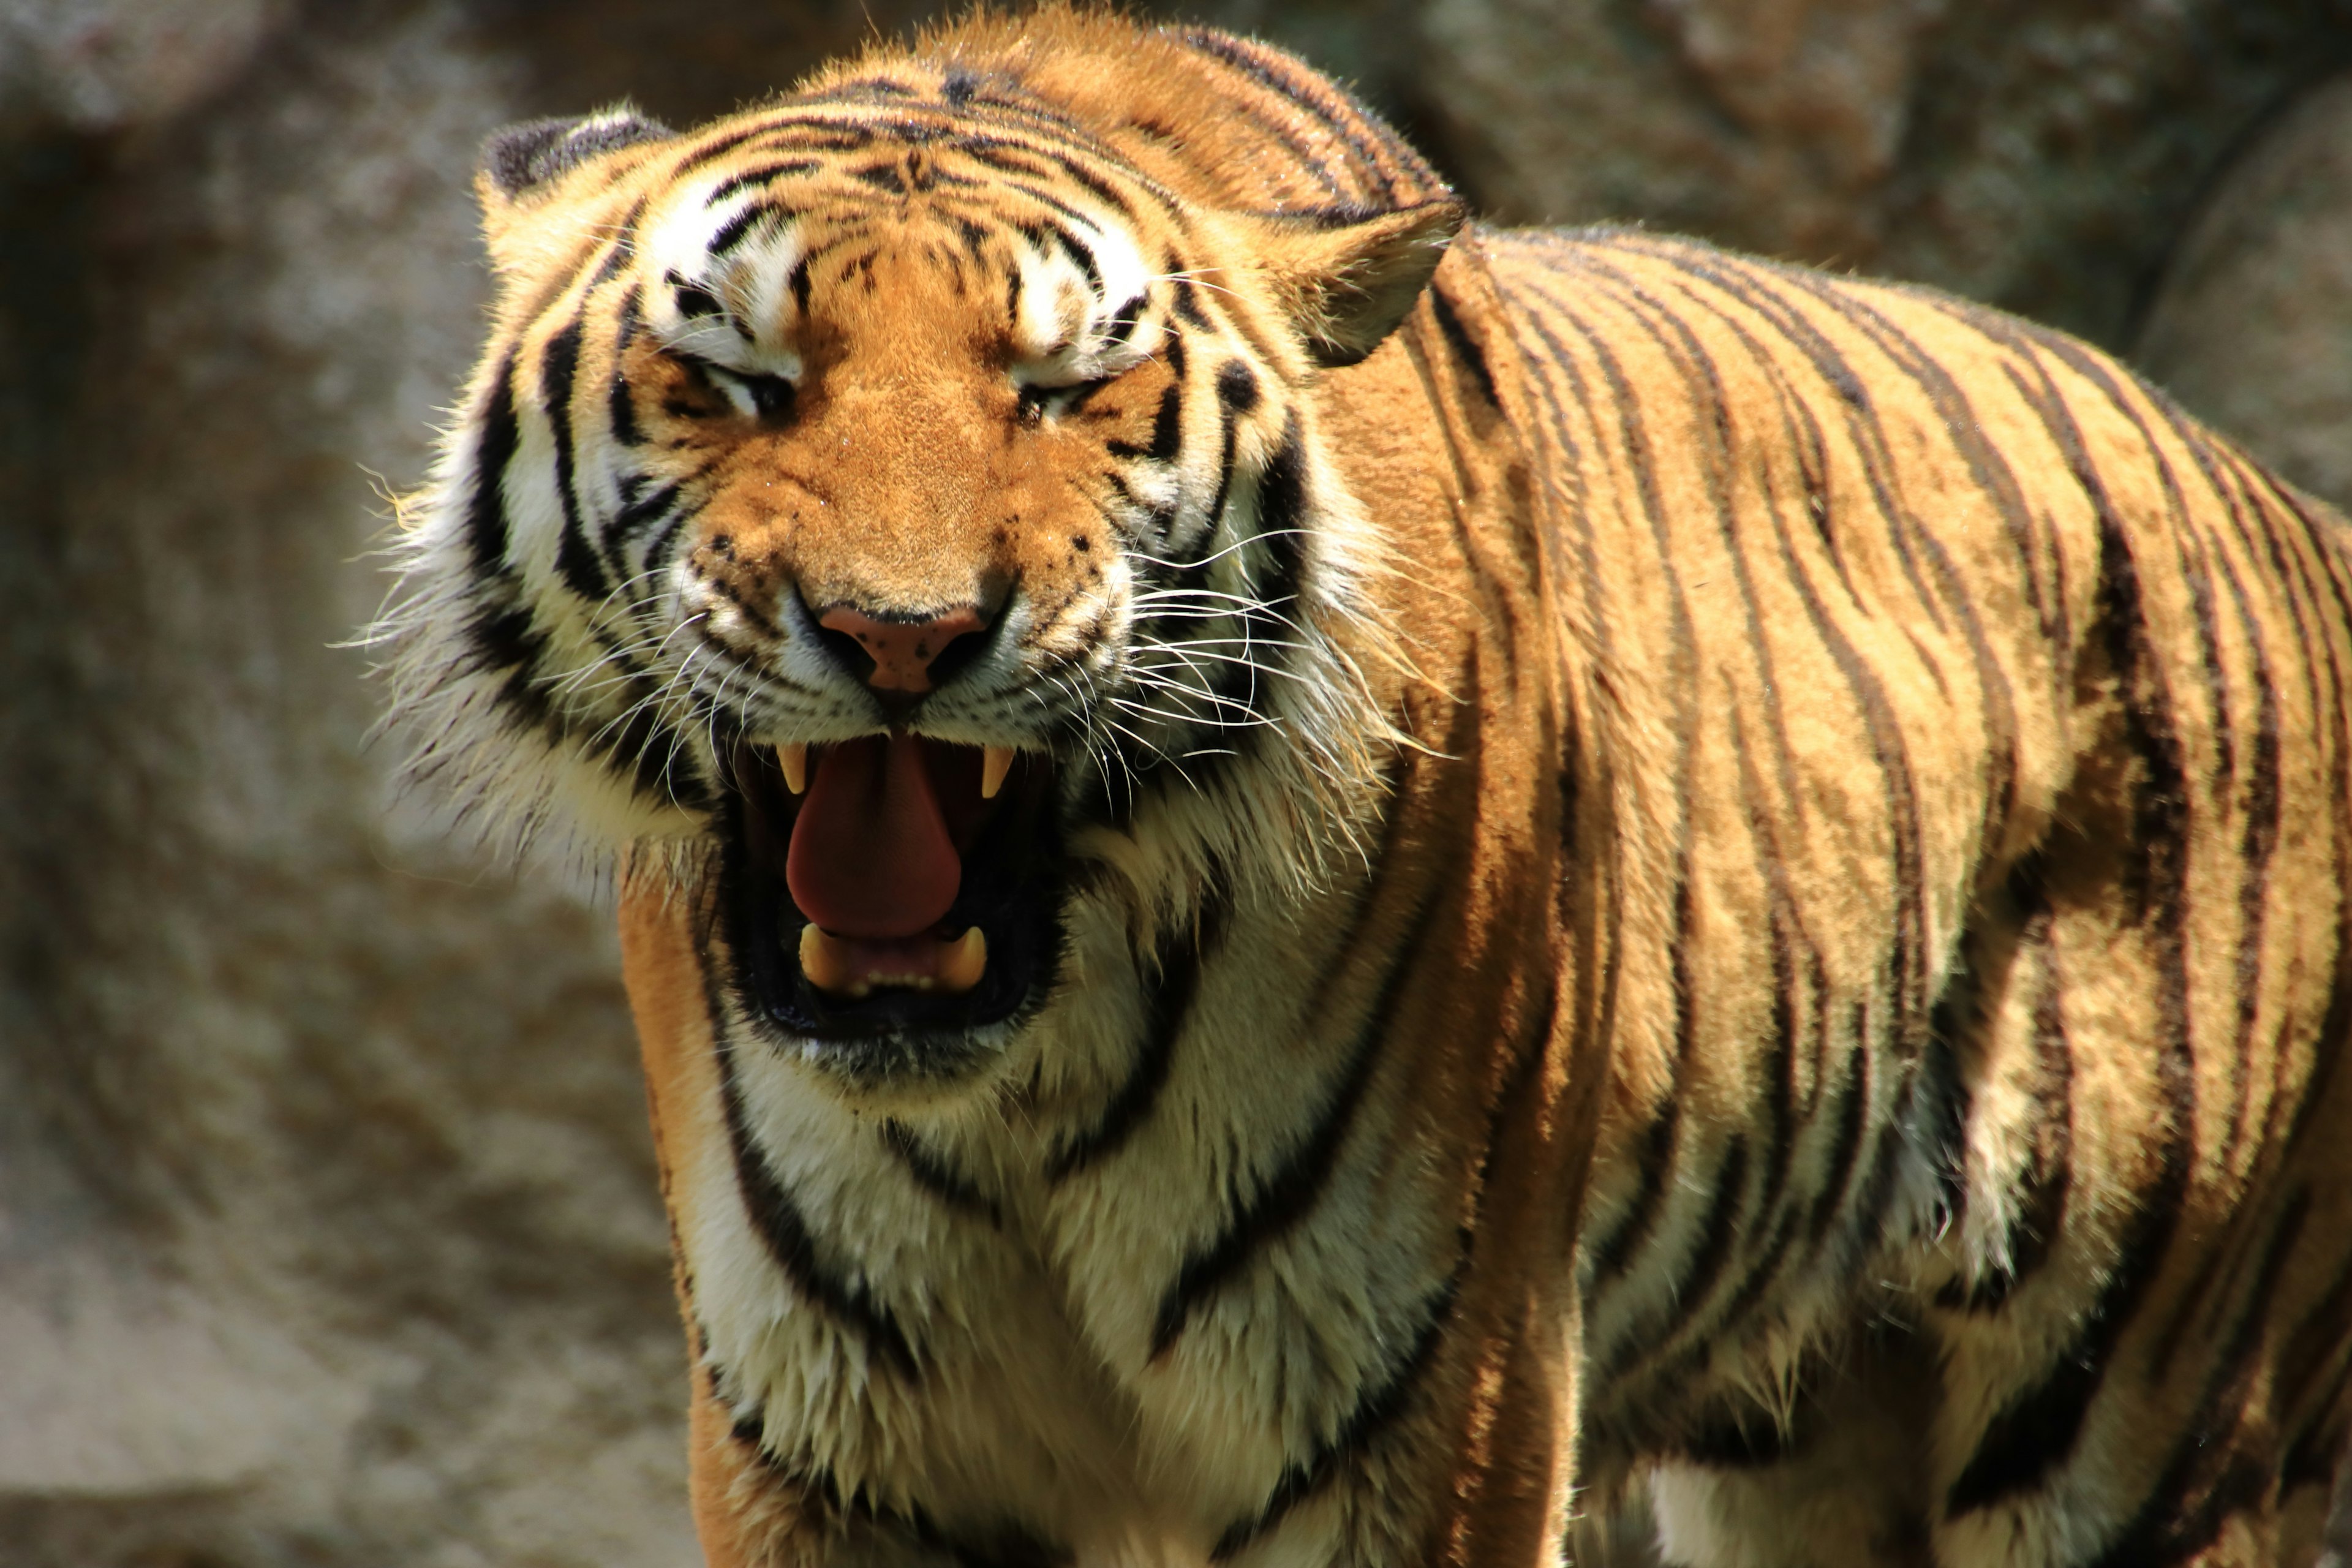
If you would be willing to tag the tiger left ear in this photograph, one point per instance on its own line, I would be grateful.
(1348, 279)
(519, 160)
(524, 164)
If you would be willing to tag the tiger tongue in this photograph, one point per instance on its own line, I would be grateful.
(870, 854)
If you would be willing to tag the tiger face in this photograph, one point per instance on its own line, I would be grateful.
(914, 527)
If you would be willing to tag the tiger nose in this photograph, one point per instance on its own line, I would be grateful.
(903, 651)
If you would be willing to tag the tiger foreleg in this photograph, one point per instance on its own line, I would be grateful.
(1843, 1486)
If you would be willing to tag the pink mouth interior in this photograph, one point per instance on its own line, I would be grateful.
(873, 855)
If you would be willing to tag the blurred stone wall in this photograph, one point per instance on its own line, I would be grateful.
(327, 1232)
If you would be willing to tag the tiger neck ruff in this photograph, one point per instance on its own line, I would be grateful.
(1297, 878)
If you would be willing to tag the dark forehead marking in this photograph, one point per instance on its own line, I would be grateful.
(765, 174)
(1019, 158)
(817, 134)
(711, 151)
(865, 87)
(1049, 201)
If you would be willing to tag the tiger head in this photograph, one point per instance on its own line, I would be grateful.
(902, 505)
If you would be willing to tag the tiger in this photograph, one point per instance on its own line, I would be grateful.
(1305, 882)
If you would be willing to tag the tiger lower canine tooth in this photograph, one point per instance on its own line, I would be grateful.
(995, 761)
(965, 960)
(823, 960)
(793, 759)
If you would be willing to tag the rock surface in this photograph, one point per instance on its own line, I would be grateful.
(2253, 329)
(328, 1231)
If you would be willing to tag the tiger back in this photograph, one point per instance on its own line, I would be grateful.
(1303, 884)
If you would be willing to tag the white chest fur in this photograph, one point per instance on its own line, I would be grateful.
(940, 1312)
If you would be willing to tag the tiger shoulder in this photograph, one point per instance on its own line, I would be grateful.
(1305, 883)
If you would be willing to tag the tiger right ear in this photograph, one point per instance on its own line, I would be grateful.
(522, 158)
(1350, 277)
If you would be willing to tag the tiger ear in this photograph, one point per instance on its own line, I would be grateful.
(1348, 277)
(522, 158)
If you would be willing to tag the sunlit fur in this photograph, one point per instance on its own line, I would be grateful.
(1689, 878)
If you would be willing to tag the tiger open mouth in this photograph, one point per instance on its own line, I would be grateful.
(891, 885)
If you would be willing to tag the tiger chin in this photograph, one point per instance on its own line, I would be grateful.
(1305, 883)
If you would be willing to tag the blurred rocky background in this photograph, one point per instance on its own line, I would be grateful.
(328, 1229)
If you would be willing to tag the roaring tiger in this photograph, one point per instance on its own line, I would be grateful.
(1306, 885)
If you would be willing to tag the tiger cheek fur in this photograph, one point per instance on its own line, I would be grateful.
(1296, 879)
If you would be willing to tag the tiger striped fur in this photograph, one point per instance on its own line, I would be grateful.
(1627, 868)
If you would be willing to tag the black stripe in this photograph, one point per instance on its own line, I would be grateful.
(2211, 1475)
(619, 401)
(1738, 1436)
(1124, 320)
(1692, 360)
(876, 87)
(1080, 252)
(1290, 1192)
(733, 231)
(664, 767)
(1384, 159)
(1611, 1252)
(1909, 958)
(710, 152)
(1169, 1006)
(694, 300)
(1167, 430)
(487, 530)
(1037, 230)
(1303, 154)
(1007, 1543)
(1712, 1250)
(936, 1177)
(1213, 520)
(1273, 589)
(508, 639)
(1282, 509)
(1056, 165)
(575, 555)
(634, 517)
(1845, 1150)
(655, 754)
(657, 547)
(765, 174)
(1466, 351)
(1378, 1406)
(781, 1225)
(615, 258)
(1751, 286)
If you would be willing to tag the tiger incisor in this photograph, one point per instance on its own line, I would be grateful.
(1306, 885)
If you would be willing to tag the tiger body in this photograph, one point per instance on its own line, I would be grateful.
(1655, 868)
